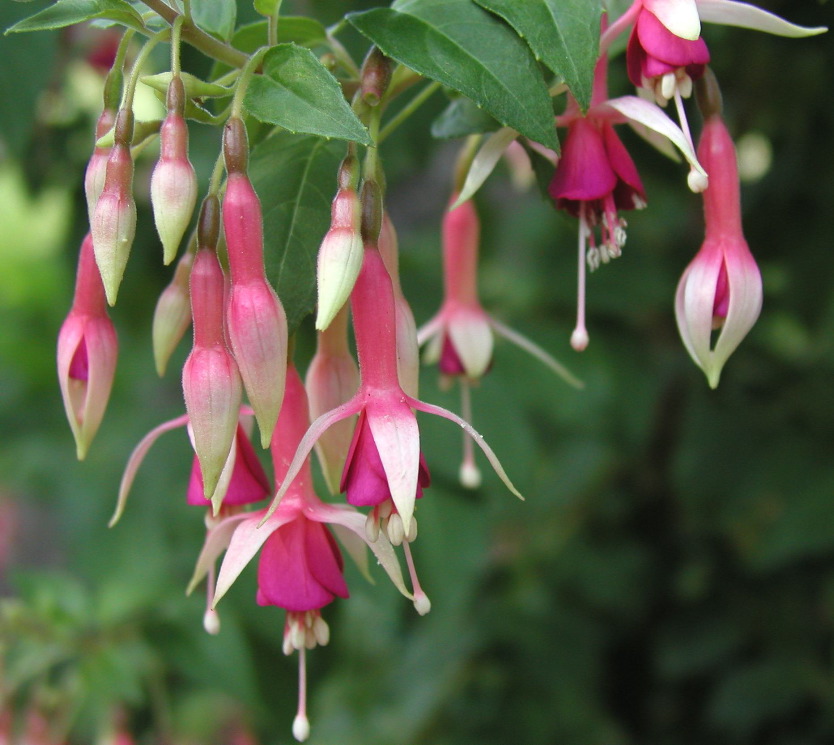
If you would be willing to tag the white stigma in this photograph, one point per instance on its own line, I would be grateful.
(697, 181)
(300, 727)
(211, 622)
(422, 604)
(470, 475)
(579, 339)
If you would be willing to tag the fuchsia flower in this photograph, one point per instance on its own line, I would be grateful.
(460, 338)
(300, 567)
(210, 379)
(87, 351)
(340, 255)
(172, 315)
(596, 179)
(256, 324)
(721, 289)
(97, 165)
(665, 50)
(114, 220)
(388, 422)
(173, 181)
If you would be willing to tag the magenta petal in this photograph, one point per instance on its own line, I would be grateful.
(583, 173)
(450, 363)
(248, 484)
(364, 478)
(664, 46)
(629, 193)
(635, 59)
(79, 368)
(325, 559)
(285, 578)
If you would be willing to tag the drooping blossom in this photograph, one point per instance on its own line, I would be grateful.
(460, 338)
(87, 352)
(666, 52)
(385, 409)
(256, 324)
(172, 315)
(300, 567)
(719, 296)
(596, 180)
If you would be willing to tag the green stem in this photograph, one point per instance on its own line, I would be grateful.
(272, 25)
(176, 34)
(407, 110)
(342, 56)
(371, 165)
(252, 64)
(217, 175)
(197, 38)
(141, 59)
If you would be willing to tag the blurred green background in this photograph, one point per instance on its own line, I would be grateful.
(669, 579)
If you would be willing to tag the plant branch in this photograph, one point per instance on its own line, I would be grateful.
(198, 38)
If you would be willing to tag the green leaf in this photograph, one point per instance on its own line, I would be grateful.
(461, 118)
(298, 93)
(564, 34)
(471, 51)
(295, 176)
(69, 12)
(305, 32)
(215, 16)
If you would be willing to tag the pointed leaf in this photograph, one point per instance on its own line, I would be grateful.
(298, 93)
(465, 48)
(296, 180)
(69, 12)
(564, 34)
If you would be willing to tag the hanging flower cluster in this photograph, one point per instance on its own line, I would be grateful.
(359, 413)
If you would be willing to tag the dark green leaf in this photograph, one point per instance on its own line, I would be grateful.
(298, 93)
(295, 177)
(215, 16)
(471, 51)
(303, 31)
(461, 118)
(564, 34)
(68, 12)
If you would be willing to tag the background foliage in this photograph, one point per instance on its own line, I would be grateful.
(670, 578)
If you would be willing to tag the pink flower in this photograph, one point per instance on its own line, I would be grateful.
(255, 320)
(460, 338)
(173, 182)
(301, 567)
(721, 289)
(596, 179)
(87, 351)
(388, 427)
(97, 165)
(210, 379)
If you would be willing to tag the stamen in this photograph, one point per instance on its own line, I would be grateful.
(669, 86)
(469, 474)
(301, 725)
(579, 337)
(321, 630)
(372, 526)
(396, 530)
(684, 84)
(422, 604)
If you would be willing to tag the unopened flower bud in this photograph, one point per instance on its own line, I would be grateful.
(371, 199)
(172, 316)
(332, 379)
(210, 378)
(97, 165)
(173, 184)
(256, 324)
(114, 220)
(87, 351)
(375, 76)
(235, 146)
(339, 257)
